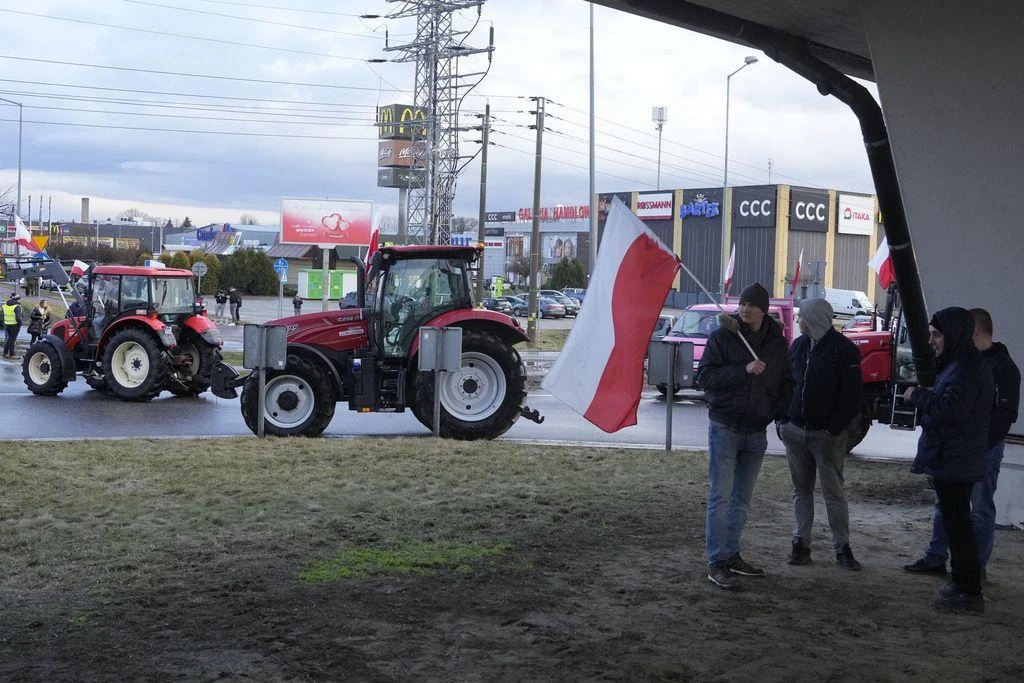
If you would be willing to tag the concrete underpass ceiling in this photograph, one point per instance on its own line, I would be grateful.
(834, 29)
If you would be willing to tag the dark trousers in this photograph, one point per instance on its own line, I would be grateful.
(12, 335)
(955, 504)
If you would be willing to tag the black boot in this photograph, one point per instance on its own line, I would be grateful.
(845, 559)
(801, 554)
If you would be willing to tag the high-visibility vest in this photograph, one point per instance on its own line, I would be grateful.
(11, 314)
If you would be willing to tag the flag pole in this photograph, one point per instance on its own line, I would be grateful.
(723, 316)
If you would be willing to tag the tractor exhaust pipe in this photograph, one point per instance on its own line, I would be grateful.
(360, 282)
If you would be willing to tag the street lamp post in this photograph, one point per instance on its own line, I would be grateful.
(747, 61)
(17, 209)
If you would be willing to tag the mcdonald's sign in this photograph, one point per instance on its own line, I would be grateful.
(399, 122)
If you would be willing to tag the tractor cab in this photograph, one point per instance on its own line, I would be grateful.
(407, 287)
(117, 292)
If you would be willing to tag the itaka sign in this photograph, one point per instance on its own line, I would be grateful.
(326, 221)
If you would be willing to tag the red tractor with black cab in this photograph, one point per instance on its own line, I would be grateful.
(135, 332)
(367, 355)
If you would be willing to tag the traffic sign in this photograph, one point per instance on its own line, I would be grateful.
(281, 266)
(199, 269)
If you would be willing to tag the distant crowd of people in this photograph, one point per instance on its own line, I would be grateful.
(232, 298)
(813, 391)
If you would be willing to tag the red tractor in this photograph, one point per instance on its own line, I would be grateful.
(367, 356)
(135, 332)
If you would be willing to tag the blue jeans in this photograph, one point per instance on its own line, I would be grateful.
(734, 462)
(983, 514)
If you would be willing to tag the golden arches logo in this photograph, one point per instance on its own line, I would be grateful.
(403, 116)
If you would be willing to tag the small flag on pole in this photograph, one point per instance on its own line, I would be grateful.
(730, 270)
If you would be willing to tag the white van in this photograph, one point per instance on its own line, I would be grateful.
(848, 301)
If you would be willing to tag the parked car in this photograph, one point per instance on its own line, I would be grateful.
(575, 293)
(849, 302)
(499, 305)
(512, 301)
(548, 308)
(664, 324)
(572, 306)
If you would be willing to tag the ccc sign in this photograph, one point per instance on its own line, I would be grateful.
(810, 211)
(402, 122)
(757, 207)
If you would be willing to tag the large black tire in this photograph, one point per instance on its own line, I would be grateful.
(42, 370)
(135, 365)
(97, 383)
(482, 399)
(195, 378)
(299, 401)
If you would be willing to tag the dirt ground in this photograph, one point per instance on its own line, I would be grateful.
(160, 569)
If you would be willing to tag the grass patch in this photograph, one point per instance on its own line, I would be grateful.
(553, 340)
(232, 358)
(412, 558)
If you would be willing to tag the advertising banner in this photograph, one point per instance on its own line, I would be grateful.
(326, 221)
(856, 214)
(704, 204)
(753, 206)
(397, 153)
(808, 210)
(401, 177)
(558, 246)
(655, 206)
(399, 122)
(500, 217)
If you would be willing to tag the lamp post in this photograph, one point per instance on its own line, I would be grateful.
(659, 115)
(747, 61)
(17, 210)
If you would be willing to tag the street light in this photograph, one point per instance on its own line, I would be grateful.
(659, 115)
(17, 210)
(747, 61)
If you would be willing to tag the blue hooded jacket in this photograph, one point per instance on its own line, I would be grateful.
(955, 413)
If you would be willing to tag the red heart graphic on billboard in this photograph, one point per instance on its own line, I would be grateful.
(335, 223)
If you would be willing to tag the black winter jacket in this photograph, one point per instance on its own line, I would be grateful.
(955, 413)
(745, 402)
(828, 390)
(1007, 401)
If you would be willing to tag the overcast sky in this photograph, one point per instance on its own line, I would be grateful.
(541, 48)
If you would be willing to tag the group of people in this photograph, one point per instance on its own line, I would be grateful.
(230, 297)
(39, 322)
(813, 391)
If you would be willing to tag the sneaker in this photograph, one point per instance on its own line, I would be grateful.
(925, 566)
(737, 565)
(801, 554)
(949, 598)
(846, 560)
(720, 575)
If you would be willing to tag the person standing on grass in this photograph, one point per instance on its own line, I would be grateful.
(826, 398)
(12, 325)
(297, 304)
(955, 416)
(1006, 376)
(744, 395)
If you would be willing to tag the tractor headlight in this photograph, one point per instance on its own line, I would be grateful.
(213, 336)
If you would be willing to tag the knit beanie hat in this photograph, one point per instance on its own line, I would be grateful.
(755, 295)
(817, 313)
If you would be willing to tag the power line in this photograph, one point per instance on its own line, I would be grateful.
(187, 130)
(582, 168)
(252, 19)
(183, 35)
(283, 9)
(206, 118)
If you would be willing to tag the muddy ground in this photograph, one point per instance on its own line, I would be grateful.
(604, 576)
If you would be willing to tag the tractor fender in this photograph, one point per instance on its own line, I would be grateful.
(155, 326)
(67, 362)
(205, 328)
(319, 356)
(505, 328)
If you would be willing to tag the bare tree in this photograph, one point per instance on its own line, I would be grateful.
(7, 200)
(248, 219)
(464, 224)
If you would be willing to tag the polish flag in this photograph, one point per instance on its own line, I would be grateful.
(374, 243)
(23, 238)
(79, 267)
(796, 276)
(599, 373)
(730, 270)
(881, 263)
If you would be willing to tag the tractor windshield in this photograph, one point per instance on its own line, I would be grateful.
(414, 291)
(173, 296)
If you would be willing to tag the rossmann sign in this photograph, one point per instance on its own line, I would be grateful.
(655, 206)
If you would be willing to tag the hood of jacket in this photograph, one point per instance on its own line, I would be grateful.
(957, 327)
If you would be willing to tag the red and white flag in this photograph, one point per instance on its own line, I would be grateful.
(374, 243)
(599, 373)
(881, 263)
(730, 270)
(79, 267)
(23, 238)
(796, 276)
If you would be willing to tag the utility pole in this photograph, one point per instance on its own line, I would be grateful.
(593, 195)
(769, 170)
(481, 235)
(659, 115)
(531, 325)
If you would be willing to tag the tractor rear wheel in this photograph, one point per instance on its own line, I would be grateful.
(194, 378)
(42, 370)
(298, 401)
(481, 400)
(135, 365)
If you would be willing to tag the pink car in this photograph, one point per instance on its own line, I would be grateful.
(697, 323)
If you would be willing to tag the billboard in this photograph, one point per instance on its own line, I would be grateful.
(326, 221)
(856, 214)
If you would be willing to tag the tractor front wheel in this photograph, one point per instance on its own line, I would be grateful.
(194, 379)
(135, 365)
(481, 399)
(297, 400)
(42, 370)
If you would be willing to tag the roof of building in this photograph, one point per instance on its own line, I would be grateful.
(290, 251)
